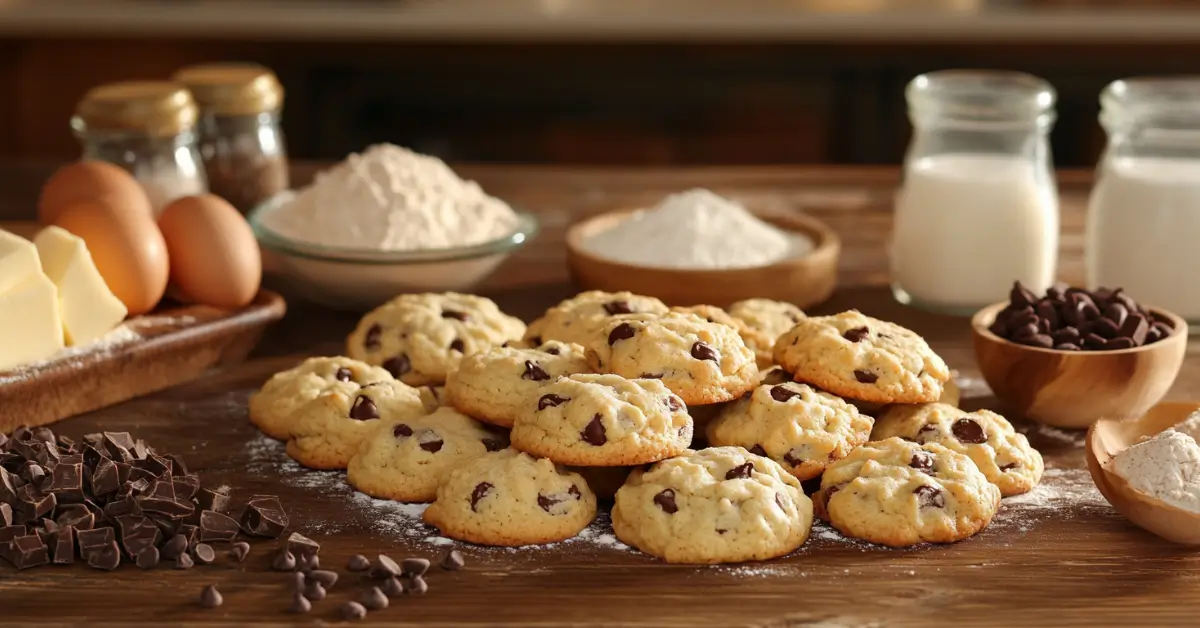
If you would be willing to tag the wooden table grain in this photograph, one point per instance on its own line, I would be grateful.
(1060, 557)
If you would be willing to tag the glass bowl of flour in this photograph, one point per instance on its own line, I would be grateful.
(385, 222)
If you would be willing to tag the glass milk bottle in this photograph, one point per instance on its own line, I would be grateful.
(978, 208)
(1144, 213)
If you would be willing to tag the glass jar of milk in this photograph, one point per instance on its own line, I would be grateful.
(978, 208)
(1144, 213)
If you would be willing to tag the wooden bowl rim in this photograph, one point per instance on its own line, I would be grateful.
(825, 243)
(983, 319)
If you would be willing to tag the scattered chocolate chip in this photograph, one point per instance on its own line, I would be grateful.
(374, 599)
(480, 491)
(782, 393)
(930, 496)
(624, 331)
(550, 401)
(299, 581)
(384, 567)
(358, 562)
(175, 547)
(325, 577)
(921, 461)
(968, 431)
(865, 377)
(372, 337)
(453, 561)
(702, 351)
(618, 307)
(392, 587)
(594, 433)
(210, 597)
(300, 604)
(343, 375)
(239, 551)
(402, 431)
(414, 566)
(364, 409)
(858, 334)
(665, 500)
(416, 586)
(184, 561)
(204, 554)
(314, 591)
(397, 366)
(352, 611)
(739, 472)
(758, 451)
(301, 545)
(147, 558)
(534, 372)
(284, 561)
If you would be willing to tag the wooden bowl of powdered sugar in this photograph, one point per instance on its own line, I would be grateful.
(698, 248)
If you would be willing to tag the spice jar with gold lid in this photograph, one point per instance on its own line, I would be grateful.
(148, 128)
(240, 138)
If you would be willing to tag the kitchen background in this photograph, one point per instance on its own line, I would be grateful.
(589, 81)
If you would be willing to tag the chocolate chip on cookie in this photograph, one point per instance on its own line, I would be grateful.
(534, 372)
(665, 500)
(478, 493)
(364, 409)
(594, 434)
(624, 331)
(398, 365)
(550, 401)
(930, 496)
(969, 431)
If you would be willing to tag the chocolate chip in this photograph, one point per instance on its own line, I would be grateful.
(384, 567)
(204, 554)
(1021, 296)
(1036, 340)
(1010, 466)
(492, 444)
(1135, 327)
(674, 404)
(300, 604)
(455, 314)
(701, 351)
(968, 431)
(782, 393)
(758, 450)
(374, 599)
(325, 577)
(741, 471)
(534, 372)
(284, 561)
(300, 545)
(594, 434)
(414, 566)
(623, 331)
(665, 500)
(364, 409)
(452, 561)
(184, 561)
(858, 334)
(358, 562)
(372, 337)
(210, 597)
(402, 431)
(430, 441)
(343, 375)
(392, 587)
(239, 551)
(550, 401)
(930, 496)
(1119, 343)
(617, 307)
(552, 350)
(398, 365)
(480, 491)
(314, 591)
(147, 558)
(651, 375)
(922, 461)
(865, 377)
(457, 345)
(792, 459)
(174, 547)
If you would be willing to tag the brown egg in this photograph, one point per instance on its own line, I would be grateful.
(97, 181)
(214, 257)
(128, 249)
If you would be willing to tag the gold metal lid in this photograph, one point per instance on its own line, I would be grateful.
(232, 89)
(156, 108)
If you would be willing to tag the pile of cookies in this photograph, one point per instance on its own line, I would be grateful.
(699, 423)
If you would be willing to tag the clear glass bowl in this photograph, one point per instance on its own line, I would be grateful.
(356, 279)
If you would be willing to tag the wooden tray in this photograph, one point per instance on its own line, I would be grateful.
(177, 344)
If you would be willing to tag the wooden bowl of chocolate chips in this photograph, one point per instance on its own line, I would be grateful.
(1071, 357)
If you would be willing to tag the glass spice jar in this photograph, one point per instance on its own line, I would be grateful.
(240, 139)
(148, 128)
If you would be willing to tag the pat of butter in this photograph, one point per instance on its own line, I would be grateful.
(18, 260)
(30, 326)
(89, 309)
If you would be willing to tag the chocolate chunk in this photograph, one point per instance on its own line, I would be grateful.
(264, 516)
(392, 587)
(550, 401)
(922, 461)
(352, 611)
(364, 409)
(170, 508)
(740, 472)
(33, 504)
(105, 479)
(858, 334)
(865, 377)
(314, 591)
(618, 306)
(301, 545)
(358, 562)
(758, 451)
(968, 431)
(417, 586)
(430, 441)
(453, 561)
(402, 431)
(184, 561)
(214, 526)
(106, 557)
(119, 445)
(534, 372)
(414, 566)
(594, 433)
(624, 331)
(478, 493)
(702, 351)
(62, 542)
(6, 515)
(28, 551)
(284, 561)
(91, 541)
(384, 567)
(204, 553)
(1135, 327)
(665, 500)
(210, 597)
(397, 366)
(137, 533)
(148, 558)
(186, 486)
(239, 551)
(930, 496)
(300, 604)
(782, 393)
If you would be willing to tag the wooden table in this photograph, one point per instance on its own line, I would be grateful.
(1060, 557)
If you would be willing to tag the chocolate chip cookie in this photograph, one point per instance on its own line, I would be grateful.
(859, 357)
(495, 386)
(769, 319)
(899, 493)
(719, 505)
(328, 429)
(577, 319)
(757, 341)
(702, 362)
(420, 338)
(510, 498)
(406, 459)
(603, 421)
(801, 428)
(273, 406)
(987, 438)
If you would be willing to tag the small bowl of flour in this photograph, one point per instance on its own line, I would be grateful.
(384, 222)
(697, 247)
